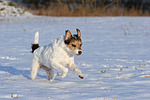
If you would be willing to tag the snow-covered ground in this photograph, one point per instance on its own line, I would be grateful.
(115, 60)
(7, 8)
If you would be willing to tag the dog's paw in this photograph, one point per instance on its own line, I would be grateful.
(63, 75)
(81, 76)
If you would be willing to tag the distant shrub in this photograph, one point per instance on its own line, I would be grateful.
(89, 7)
(10, 4)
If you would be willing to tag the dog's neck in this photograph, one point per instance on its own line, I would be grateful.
(62, 44)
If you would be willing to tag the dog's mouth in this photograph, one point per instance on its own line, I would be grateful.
(78, 54)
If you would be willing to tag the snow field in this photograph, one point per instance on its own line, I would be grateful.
(115, 60)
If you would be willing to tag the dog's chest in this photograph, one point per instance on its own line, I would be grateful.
(64, 58)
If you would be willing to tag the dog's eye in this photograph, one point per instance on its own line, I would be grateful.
(73, 45)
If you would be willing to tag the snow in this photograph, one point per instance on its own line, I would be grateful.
(115, 60)
(7, 10)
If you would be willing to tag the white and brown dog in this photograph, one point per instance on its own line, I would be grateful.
(57, 55)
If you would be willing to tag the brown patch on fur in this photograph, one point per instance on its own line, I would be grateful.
(78, 33)
(68, 35)
(75, 45)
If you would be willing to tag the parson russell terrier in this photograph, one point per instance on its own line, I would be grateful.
(57, 55)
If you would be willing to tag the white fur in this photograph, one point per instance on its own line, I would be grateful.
(36, 38)
(53, 56)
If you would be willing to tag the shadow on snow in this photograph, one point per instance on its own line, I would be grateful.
(14, 71)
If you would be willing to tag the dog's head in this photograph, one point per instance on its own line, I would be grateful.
(74, 42)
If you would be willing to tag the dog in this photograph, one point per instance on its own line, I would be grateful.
(57, 55)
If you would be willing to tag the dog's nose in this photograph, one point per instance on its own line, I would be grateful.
(79, 52)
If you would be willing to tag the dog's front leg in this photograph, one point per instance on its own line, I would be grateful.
(63, 68)
(76, 70)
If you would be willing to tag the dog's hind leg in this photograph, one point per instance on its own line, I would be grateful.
(49, 71)
(34, 68)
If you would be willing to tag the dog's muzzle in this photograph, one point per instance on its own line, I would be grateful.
(77, 52)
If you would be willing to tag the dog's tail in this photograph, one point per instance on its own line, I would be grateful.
(35, 45)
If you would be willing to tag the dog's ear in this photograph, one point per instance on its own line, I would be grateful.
(68, 35)
(78, 33)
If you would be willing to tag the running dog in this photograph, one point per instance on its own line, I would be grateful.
(57, 55)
